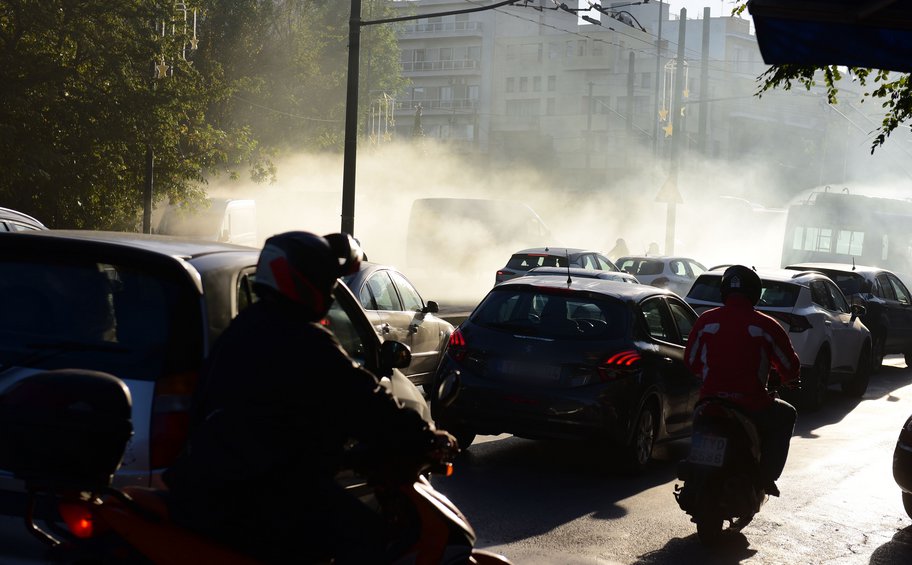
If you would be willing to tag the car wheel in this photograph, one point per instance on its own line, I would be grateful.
(878, 351)
(857, 384)
(639, 450)
(814, 385)
(907, 502)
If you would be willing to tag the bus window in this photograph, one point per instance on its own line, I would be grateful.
(885, 248)
(798, 238)
(850, 242)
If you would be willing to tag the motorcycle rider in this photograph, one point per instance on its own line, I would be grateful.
(277, 403)
(732, 349)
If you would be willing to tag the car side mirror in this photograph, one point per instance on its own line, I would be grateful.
(431, 308)
(394, 355)
(858, 310)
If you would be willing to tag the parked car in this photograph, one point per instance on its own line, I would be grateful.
(902, 464)
(826, 332)
(676, 274)
(144, 308)
(577, 272)
(397, 311)
(887, 302)
(217, 219)
(594, 360)
(11, 220)
(526, 259)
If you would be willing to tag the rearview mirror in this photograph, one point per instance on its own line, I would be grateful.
(432, 307)
(858, 310)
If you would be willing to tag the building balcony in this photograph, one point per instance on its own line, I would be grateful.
(438, 29)
(449, 105)
(449, 66)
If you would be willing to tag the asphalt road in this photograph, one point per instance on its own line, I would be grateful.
(547, 503)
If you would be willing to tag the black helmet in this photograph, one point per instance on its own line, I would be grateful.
(303, 268)
(742, 280)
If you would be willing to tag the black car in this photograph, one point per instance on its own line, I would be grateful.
(902, 465)
(591, 359)
(887, 302)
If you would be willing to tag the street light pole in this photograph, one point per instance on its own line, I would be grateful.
(349, 168)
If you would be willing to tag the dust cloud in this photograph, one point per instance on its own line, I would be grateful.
(728, 214)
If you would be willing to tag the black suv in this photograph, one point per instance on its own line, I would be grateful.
(887, 302)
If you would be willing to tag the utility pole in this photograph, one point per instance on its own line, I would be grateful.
(655, 113)
(704, 86)
(629, 122)
(678, 135)
(588, 130)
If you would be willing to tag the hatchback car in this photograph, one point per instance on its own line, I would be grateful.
(526, 259)
(146, 309)
(398, 312)
(577, 272)
(593, 359)
(902, 464)
(11, 220)
(887, 302)
(826, 332)
(676, 274)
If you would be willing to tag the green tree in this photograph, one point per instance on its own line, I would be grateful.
(79, 103)
(892, 90)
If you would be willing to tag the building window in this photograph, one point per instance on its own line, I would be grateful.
(536, 84)
(473, 92)
(523, 84)
(552, 83)
(511, 84)
(581, 48)
(446, 53)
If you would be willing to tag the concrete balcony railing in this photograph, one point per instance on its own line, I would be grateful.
(450, 104)
(451, 65)
(442, 28)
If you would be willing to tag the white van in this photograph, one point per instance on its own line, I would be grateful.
(223, 219)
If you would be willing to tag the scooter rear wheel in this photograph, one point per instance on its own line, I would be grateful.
(709, 530)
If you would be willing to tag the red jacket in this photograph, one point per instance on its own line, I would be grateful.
(733, 348)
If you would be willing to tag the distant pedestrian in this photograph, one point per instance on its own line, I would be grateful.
(619, 250)
(653, 249)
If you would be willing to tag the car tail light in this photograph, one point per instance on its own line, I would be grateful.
(78, 517)
(796, 323)
(170, 417)
(457, 345)
(619, 365)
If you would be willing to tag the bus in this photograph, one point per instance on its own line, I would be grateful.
(838, 227)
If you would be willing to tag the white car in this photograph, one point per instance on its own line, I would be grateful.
(676, 274)
(826, 332)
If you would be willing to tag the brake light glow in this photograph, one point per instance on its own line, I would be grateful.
(78, 518)
(170, 417)
(457, 346)
(619, 365)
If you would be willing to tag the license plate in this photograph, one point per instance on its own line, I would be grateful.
(707, 449)
(530, 371)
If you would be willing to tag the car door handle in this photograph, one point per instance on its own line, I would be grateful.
(385, 328)
(667, 360)
(827, 323)
(413, 328)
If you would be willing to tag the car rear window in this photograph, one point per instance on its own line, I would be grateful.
(526, 261)
(113, 317)
(552, 313)
(775, 294)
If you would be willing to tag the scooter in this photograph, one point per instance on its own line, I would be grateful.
(722, 480)
(64, 435)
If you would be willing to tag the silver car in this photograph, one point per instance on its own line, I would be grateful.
(677, 274)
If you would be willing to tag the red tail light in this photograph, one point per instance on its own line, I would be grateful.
(457, 347)
(78, 517)
(796, 323)
(619, 365)
(170, 417)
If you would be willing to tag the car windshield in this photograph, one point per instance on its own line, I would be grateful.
(849, 284)
(108, 317)
(552, 313)
(775, 294)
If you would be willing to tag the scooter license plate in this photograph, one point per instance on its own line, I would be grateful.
(707, 449)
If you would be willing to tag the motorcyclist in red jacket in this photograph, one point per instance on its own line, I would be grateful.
(732, 349)
(276, 405)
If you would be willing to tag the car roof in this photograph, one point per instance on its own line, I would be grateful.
(779, 275)
(15, 215)
(556, 250)
(656, 258)
(577, 272)
(615, 289)
(185, 248)
(841, 267)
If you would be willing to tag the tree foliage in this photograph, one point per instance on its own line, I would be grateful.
(892, 90)
(80, 101)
